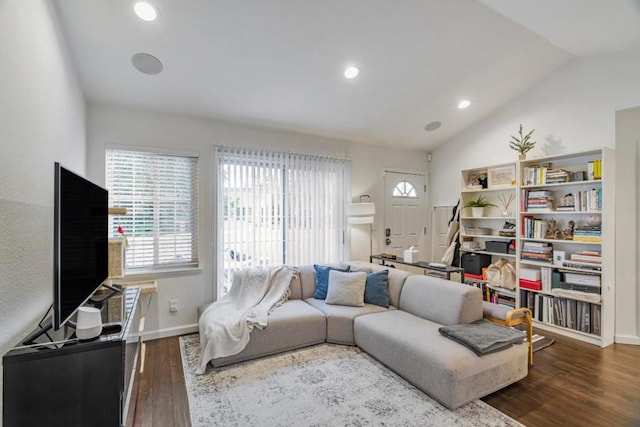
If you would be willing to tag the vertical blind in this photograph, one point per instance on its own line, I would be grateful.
(278, 208)
(160, 193)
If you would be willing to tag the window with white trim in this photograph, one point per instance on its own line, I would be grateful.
(160, 193)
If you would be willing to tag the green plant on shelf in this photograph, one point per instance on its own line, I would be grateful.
(480, 202)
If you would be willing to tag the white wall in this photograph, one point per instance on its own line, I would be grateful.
(573, 109)
(42, 120)
(121, 126)
(627, 221)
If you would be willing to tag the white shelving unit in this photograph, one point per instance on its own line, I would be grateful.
(492, 221)
(501, 183)
(592, 322)
(597, 201)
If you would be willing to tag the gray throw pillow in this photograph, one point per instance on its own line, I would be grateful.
(346, 288)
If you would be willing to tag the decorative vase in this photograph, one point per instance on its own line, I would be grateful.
(522, 156)
(477, 212)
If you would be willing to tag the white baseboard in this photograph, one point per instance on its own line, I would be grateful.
(170, 332)
(627, 339)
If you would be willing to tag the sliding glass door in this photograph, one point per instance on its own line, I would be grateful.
(278, 208)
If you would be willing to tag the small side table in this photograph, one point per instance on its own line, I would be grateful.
(147, 289)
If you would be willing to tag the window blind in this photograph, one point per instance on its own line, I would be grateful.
(278, 208)
(160, 193)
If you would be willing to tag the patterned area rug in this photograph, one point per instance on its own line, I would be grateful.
(323, 385)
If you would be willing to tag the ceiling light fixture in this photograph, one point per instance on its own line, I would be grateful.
(145, 11)
(464, 104)
(351, 72)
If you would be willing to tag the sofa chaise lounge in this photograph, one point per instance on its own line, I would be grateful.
(404, 337)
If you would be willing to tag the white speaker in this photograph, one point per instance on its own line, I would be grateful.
(89, 323)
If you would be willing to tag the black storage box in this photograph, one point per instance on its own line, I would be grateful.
(474, 263)
(498, 246)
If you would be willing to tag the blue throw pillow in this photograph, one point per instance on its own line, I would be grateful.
(322, 280)
(376, 289)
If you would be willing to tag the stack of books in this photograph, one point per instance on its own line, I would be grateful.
(540, 200)
(530, 278)
(589, 283)
(537, 251)
(556, 176)
(566, 208)
(588, 233)
(586, 260)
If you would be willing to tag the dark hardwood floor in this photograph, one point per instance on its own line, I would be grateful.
(570, 384)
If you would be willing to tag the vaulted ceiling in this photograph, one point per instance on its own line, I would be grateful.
(279, 63)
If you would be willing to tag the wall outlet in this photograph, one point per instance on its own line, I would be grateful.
(173, 306)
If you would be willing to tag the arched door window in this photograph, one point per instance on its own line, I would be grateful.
(405, 189)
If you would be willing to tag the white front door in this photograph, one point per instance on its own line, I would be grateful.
(404, 213)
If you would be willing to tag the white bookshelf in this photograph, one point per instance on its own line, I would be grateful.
(598, 189)
(602, 191)
(493, 219)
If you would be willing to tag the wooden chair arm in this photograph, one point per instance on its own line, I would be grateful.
(515, 311)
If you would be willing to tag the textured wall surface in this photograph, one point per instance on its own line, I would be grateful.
(42, 120)
(26, 257)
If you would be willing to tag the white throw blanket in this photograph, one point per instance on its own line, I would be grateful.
(226, 324)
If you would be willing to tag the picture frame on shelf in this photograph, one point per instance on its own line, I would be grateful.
(501, 177)
(477, 180)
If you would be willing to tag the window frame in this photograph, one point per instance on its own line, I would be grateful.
(156, 266)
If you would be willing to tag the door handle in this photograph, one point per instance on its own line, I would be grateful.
(388, 241)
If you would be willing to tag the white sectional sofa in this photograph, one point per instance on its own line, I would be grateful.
(404, 337)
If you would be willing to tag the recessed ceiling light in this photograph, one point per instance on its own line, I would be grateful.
(464, 104)
(351, 72)
(433, 125)
(145, 11)
(146, 63)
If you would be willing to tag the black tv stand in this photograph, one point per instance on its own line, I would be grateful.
(99, 302)
(69, 382)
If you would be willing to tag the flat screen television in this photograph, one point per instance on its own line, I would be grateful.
(81, 242)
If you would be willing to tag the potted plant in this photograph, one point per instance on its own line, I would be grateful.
(523, 144)
(477, 206)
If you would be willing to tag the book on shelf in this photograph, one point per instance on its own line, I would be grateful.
(537, 244)
(545, 276)
(594, 169)
(534, 285)
(595, 319)
(587, 239)
(580, 287)
(532, 274)
(582, 279)
(587, 266)
(586, 257)
(537, 250)
(473, 276)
